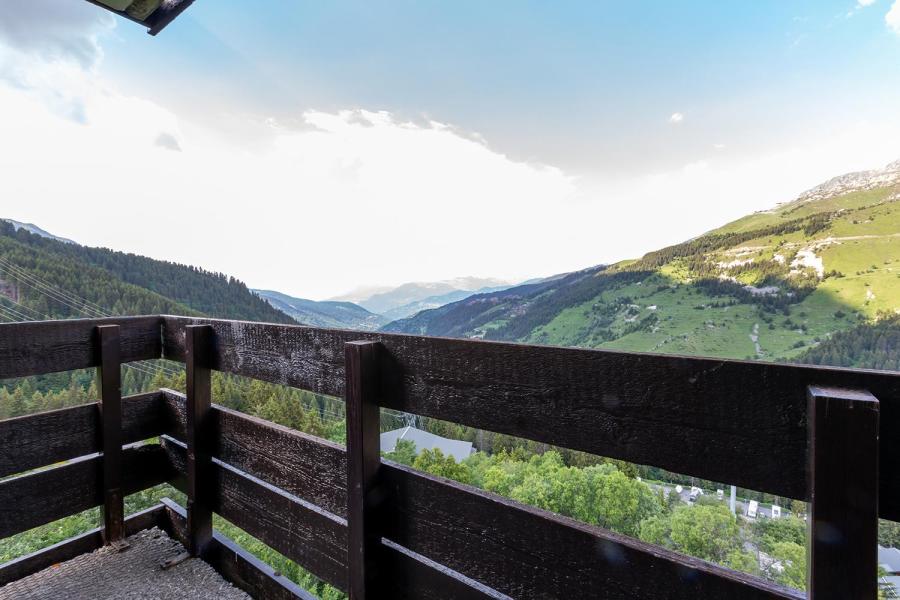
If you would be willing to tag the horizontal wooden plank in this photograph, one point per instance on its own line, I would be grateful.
(234, 563)
(308, 535)
(75, 546)
(730, 421)
(316, 539)
(405, 574)
(39, 347)
(529, 553)
(45, 438)
(519, 551)
(34, 499)
(307, 467)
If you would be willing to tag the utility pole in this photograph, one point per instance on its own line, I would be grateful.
(732, 504)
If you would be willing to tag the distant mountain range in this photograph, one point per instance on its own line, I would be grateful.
(31, 228)
(772, 285)
(44, 276)
(409, 298)
(333, 314)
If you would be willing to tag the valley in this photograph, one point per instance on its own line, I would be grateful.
(769, 286)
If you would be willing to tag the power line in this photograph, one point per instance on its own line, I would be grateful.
(57, 294)
(22, 273)
(146, 370)
(48, 291)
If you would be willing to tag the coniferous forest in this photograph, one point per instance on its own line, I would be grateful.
(45, 278)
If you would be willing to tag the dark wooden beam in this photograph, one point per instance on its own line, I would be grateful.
(199, 438)
(731, 421)
(34, 499)
(363, 462)
(75, 546)
(843, 481)
(317, 540)
(109, 379)
(36, 348)
(306, 534)
(50, 437)
(514, 549)
(525, 552)
(165, 14)
(307, 467)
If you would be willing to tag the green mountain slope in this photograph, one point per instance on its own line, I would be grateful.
(329, 313)
(43, 277)
(768, 286)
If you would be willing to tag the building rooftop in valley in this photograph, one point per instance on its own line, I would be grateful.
(424, 440)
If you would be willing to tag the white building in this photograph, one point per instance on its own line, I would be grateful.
(423, 440)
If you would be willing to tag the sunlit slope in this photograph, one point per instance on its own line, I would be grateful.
(768, 286)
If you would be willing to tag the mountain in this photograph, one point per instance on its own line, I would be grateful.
(44, 277)
(867, 346)
(408, 310)
(404, 300)
(768, 286)
(341, 315)
(31, 228)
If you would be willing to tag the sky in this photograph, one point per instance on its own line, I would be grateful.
(314, 147)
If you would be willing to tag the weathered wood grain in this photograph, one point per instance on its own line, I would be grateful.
(199, 439)
(517, 550)
(35, 348)
(405, 574)
(308, 535)
(307, 467)
(109, 380)
(363, 463)
(75, 546)
(529, 553)
(234, 563)
(34, 499)
(730, 421)
(45, 438)
(843, 511)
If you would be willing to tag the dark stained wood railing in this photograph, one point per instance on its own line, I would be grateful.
(378, 529)
(109, 378)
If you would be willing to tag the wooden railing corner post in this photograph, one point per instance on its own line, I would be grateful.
(109, 382)
(843, 493)
(198, 434)
(363, 462)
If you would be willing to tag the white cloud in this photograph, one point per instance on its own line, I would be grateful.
(865, 3)
(342, 199)
(676, 118)
(356, 197)
(55, 29)
(892, 18)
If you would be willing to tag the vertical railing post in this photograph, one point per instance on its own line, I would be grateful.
(109, 380)
(198, 345)
(363, 461)
(843, 488)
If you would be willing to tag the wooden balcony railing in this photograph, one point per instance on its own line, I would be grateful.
(381, 530)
